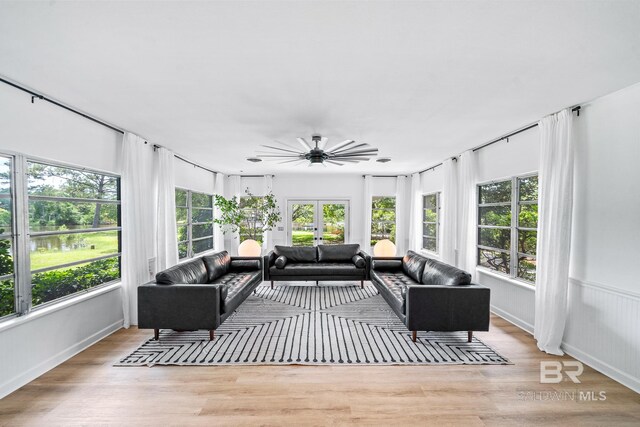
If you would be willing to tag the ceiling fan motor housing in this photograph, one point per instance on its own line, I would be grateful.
(316, 156)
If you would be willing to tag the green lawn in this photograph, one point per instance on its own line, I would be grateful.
(305, 238)
(104, 243)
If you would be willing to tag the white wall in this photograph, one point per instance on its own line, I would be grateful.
(33, 344)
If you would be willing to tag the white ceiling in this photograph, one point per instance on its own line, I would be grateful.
(419, 81)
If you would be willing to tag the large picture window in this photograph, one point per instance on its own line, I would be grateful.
(383, 219)
(431, 222)
(194, 218)
(507, 226)
(7, 277)
(64, 225)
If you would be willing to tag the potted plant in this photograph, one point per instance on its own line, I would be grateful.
(251, 216)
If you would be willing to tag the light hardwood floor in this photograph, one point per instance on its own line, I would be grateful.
(88, 390)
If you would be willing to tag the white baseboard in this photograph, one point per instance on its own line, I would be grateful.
(603, 368)
(26, 377)
(513, 319)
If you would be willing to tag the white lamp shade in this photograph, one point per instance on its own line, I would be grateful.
(384, 248)
(249, 248)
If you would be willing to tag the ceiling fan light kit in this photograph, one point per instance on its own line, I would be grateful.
(348, 151)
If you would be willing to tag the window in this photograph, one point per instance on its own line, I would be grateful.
(74, 225)
(508, 213)
(59, 235)
(383, 219)
(194, 218)
(7, 276)
(431, 222)
(251, 227)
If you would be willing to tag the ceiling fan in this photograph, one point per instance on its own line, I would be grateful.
(348, 151)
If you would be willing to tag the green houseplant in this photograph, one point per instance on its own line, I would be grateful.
(250, 215)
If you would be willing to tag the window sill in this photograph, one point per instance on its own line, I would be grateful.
(504, 278)
(45, 311)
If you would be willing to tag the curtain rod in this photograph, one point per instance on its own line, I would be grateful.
(385, 176)
(575, 109)
(251, 176)
(35, 95)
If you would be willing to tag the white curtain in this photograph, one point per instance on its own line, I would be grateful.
(267, 235)
(235, 190)
(415, 213)
(555, 186)
(467, 212)
(401, 214)
(137, 221)
(166, 231)
(366, 219)
(218, 235)
(448, 213)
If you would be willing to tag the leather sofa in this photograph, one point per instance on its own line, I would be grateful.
(428, 295)
(197, 294)
(322, 262)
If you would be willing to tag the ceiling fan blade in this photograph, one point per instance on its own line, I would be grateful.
(350, 147)
(366, 152)
(362, 159)
(291, 161)
(304, 143)
(281, 149)
(284, 156)
(323, 142)
(335, 163)
(289, 146)
(342, 144)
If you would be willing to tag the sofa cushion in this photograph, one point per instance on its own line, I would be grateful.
(238, 287)
(190, 272)
(217, 265)
(413, 265)
(393, 287)
(297, 253)
(386, 264)
(337, 253)
(439, 274)
(318, 269)
(358, 261)
(281, 261)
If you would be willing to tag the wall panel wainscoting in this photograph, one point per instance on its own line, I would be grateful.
(602, 330)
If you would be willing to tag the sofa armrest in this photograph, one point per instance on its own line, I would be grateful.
(179, 306)
(386, 263)
(448, 308)
(245, 263)
(269, 260)
(367, 266)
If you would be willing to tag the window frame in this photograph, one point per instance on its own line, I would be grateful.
(514, 227)
(190, 223)
(395, 216)
(438, 206)
(22, 233)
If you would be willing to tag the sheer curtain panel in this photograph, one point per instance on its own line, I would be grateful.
(401, 214)
(235, 190)
(266, 236)
(166, 232)
(415, 213)
(467, 212)
(366, 220)
(137, 221)
(449, 213)
(554, 229)
(218, 235)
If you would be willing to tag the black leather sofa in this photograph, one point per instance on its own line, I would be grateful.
(323, 262)
(428, 295)
(197, 294)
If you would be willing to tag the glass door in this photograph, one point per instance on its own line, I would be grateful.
(314, 222)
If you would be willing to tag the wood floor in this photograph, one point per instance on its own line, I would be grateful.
(87, 390)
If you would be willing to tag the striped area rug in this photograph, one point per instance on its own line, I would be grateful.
(312, 325)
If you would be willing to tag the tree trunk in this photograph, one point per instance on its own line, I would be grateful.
(99, 195)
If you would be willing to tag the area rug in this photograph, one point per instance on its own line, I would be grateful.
(312, 325)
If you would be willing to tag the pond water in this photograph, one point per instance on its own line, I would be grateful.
(62, 242)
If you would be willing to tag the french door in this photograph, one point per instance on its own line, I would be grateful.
(317, 222)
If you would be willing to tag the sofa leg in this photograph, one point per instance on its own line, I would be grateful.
(469, 336)
(317, 283)
(156, 334)
(211, 333)
(414, 335)
(361, 284)
(272, 284)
